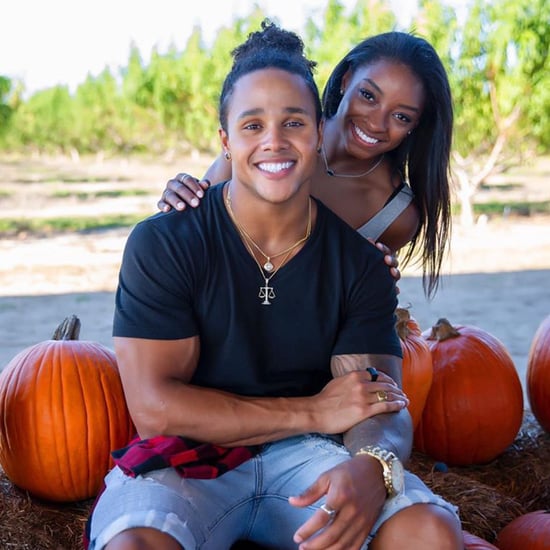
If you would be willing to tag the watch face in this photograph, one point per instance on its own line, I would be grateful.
(398, 477)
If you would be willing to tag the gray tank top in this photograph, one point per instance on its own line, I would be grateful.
(385, 217)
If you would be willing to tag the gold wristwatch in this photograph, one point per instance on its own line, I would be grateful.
(392, 469)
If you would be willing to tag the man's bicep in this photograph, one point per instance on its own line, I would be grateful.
(149, 368)
(143, 359)
(389, 364)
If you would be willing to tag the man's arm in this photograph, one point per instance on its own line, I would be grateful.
(355, 490)
(393, 431)
(156, 374)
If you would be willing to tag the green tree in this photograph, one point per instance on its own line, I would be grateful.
(45, 121)
(499, 70)
(6, 110)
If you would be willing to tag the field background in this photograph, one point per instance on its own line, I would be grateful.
(497, 276)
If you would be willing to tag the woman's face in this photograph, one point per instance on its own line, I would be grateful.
(381, 104)
(272, 133)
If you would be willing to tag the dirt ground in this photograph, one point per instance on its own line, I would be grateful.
(497, 276)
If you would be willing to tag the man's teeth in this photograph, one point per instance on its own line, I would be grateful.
(364, 136)
(274, 167)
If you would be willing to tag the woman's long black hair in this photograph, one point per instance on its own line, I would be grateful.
(423, 158)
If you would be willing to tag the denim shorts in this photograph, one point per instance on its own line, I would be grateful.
(249, 502)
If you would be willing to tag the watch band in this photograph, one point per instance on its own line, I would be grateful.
(392, 469)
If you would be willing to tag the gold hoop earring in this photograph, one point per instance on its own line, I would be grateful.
(227, 155)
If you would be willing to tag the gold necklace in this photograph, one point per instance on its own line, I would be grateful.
(268, 266)
(331, 172)
(266, 292)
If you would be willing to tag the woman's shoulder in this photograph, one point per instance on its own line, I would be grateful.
(403, 228)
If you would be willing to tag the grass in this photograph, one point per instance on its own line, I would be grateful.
(82, 195)
(10, 227)
(517, 208)
(70, 179)
(522, 208)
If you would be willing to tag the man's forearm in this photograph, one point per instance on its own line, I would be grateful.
(391, 431)
(222, 418)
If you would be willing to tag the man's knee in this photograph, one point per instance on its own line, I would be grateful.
(420, 526)
(143, 538)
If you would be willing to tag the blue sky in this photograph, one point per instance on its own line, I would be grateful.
(49, 42)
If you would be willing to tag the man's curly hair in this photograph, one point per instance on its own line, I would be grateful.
(271, 47)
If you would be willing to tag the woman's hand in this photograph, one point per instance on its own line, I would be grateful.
(391, 260)
(181, 191)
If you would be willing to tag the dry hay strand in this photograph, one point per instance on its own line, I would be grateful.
(29, 524)
(522, 471)
(490, 495)
(483, 510)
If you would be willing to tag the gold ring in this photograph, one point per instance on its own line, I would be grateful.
(382, 395)
(330, 511)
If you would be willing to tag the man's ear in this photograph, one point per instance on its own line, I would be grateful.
(224, 138)
(320, 130)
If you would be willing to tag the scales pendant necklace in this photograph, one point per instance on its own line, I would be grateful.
(266, 292)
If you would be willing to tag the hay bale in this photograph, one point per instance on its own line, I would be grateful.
(522, 470)
(483, 509)
(29, 524)
(488, 496)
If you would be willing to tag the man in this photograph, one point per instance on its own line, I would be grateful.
(250, 334)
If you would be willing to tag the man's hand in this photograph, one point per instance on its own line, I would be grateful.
(355, 490)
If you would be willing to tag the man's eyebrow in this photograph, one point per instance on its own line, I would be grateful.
(258, 111)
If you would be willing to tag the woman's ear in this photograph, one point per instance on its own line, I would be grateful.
(345, 82)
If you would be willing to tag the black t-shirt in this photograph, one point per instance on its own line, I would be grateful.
(190, 274)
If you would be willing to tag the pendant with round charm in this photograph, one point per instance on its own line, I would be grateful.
(268, 266)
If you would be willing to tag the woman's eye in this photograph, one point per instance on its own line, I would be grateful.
(403, 118)
(366, 94)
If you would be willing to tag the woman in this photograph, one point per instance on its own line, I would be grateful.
(384, 163)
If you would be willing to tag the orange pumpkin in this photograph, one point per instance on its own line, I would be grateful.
(538, 374)
(417, 363)
(529, 531)
(62, 411)
(474, 409)
(473, 542)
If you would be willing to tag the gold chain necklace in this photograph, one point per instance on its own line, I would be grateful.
(266, 291)
(331, 172)
(268, 266)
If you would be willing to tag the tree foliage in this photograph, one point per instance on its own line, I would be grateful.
(497, 61)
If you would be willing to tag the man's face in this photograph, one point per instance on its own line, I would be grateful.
(272, 134)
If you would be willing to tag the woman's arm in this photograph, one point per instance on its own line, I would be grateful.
(186, 190)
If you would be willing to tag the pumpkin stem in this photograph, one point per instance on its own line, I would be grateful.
(443, 330)
(69, 329)
(403, 317)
